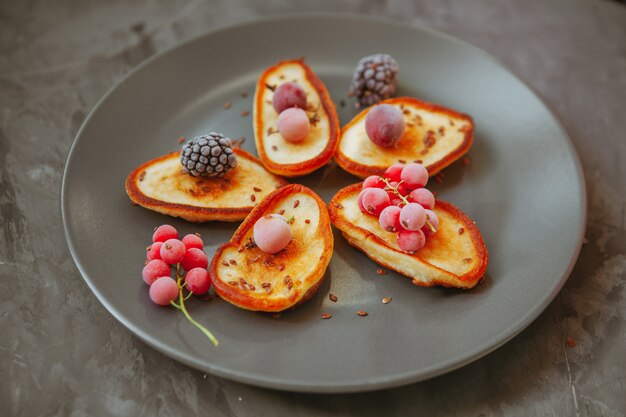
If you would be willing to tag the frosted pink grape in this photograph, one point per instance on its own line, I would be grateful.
(294, 124)
(154, 269)
(288, 95)
(412, 216)
(432, 218)
(394, 172)
(164, 232)
(163, 290)
(198, 281)
(374, 200)
(173, 251)
(373, 181)
(414, 175)
(384, 125)
(154, 251)
(423, 197)
(272, 233)
(192, 241)
(194, 258)
(411, 241)
(390, 218)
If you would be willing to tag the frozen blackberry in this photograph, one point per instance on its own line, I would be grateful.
(374, 79)
(208, 155)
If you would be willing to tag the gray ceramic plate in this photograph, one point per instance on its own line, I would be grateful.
(523, 187)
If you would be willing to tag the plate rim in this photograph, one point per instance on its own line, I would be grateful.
(370, 383)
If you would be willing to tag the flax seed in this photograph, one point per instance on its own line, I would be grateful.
(232, 282)
(253, 198)
(281, 212)
(307, 221)
(233, 262)
(326, 316)
(332, 297)
(361, 313)
(142, 176)
(296, 203)
(181, 139)
(225, 263)
(461, 230)
(274, 148)
(381, 271)
(281, 267)
(387, 300)
(257, 189)
(467, 260)
(228, 105)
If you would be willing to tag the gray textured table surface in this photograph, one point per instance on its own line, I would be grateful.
(63, 354)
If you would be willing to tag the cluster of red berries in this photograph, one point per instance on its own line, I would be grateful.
(168, 251)
(402, 204)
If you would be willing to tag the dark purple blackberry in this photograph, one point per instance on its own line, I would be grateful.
(208, 155)
(374, 79)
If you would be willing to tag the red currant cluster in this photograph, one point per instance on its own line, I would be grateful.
(167, 251)
(402, 204)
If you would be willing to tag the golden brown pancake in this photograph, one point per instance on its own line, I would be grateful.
(161, 185)
(455, 256)
(247, 277)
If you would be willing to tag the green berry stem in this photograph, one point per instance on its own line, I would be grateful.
(195, 323)
(181, 307)
(395, 190)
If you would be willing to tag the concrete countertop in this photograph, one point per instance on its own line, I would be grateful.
(63, 353)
